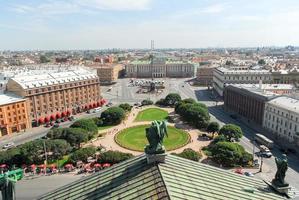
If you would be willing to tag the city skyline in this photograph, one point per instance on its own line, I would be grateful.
(102, 24)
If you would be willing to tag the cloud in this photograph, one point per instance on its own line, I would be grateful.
(55, 7)
(215, 8)
(120, 5)
(246, 18)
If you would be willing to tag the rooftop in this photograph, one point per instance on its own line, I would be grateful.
(8, 98)
(287, 103)
(177, 178)
(250, 71)
(254, 88)
(47, 79)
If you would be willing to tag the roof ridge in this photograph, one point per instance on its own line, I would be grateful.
(162, 178)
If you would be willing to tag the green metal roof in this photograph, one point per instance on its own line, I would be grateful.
(177, 178)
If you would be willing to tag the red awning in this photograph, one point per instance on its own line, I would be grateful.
(63, 114)
(97, 165)
(68, 112)
(99, 103)
(53, 117)
(42, 166)
(106, 165)
(58, 115)
(86, 107)
(47, 119)
(90, 106)
(33, 166)
(94, 105)
(68, 166)
(41, 120)
(3, 165)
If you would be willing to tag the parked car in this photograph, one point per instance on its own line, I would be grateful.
(56, 125)
(9, 145)
(248, 174)
(48, 125)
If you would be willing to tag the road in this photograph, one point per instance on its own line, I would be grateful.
(38, 132)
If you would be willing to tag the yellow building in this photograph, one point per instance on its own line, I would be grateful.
(13, 114)
(108, 73)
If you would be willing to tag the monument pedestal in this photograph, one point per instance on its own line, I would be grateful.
(155, 158)
(282, 190)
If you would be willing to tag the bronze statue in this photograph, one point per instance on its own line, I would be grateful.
(155, 135)
(7, 187)
(282, 167)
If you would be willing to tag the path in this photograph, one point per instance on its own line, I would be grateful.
(108, 140)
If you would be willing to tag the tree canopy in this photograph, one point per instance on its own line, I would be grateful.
(261, 62)
(189, 154)
(82, 154)
(113, 115)
(231, 131)
(126, 107)
(172, 99)
(86, 124)
(113, 157)
(230, 154)
(213, 127)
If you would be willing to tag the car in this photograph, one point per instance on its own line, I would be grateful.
(266, 154)
(56, 125)
(48, 125)
(71, 118)
(248, 174)
(9, 145)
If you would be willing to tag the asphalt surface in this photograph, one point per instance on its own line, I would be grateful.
(38, 132)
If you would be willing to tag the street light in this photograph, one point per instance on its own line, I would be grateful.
(261, 168)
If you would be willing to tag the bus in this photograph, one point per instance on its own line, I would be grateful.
(261, 139)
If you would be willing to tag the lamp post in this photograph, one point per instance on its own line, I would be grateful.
(261, 168)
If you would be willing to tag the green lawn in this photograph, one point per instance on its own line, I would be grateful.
(104, 127)
(151, 114)
(134, 138)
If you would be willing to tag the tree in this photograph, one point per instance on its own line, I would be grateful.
(160, 102)
(113, 115)
(44, 59)
(88, 125)
(126, 107)
(213, 127)
(172, 99)
(74, 136)
(58, 147)
(113, 157)
(229, 63)
(147, 102)
(98, 121)
(261, 62)
(230, 154)
(82, 154)
(231, 131)
(189, 154)
(188, 100)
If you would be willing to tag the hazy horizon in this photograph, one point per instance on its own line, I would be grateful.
(131, 24)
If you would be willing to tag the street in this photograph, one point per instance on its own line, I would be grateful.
(38, 132)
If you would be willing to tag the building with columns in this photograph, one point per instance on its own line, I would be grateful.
(159, 68)
(225, 76)
(281, 117)
(58, 94)
(247, 101)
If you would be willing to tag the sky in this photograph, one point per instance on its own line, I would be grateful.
(102, 24)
